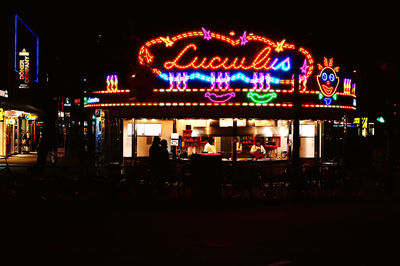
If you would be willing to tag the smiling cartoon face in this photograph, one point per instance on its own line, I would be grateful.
(327, 79)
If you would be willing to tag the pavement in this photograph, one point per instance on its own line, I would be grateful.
(20, 160)
(59, 227)
(282, 234)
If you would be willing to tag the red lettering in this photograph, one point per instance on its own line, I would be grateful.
(260, 61)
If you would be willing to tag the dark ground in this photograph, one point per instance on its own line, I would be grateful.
(92, 229)
(341, 233)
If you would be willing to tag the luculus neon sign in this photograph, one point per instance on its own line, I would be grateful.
(254, 64)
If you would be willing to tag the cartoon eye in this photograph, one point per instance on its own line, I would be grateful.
(324, 76)
(331, 78)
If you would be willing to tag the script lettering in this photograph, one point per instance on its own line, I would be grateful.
(260, 62)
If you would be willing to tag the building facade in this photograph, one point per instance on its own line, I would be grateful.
(238, 90)
(19, 87)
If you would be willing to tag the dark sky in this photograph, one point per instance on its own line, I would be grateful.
(76, 40)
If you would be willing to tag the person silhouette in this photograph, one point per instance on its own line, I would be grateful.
(155, 159)
(164, 161)
(155, 150)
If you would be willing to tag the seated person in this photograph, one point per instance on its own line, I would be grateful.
(257, 150)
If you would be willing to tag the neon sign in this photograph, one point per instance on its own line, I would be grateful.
(25, 38)
(328, 81)
(216, 98)
(243, 39)
(205, 59)
(203, 69)
(261, 98)
(112, 83)
(262, 61)
(24, 69)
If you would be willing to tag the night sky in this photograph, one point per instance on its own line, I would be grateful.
(90, 41)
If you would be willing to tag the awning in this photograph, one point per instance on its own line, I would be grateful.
(20, 107)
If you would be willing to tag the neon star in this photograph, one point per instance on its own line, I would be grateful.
(167, 41)
(207, 35)
(243, 39)
(279, 45)
(305, 67)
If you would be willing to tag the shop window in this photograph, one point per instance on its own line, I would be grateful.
(307, 140)
(149, 130)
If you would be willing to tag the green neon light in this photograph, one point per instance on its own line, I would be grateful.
(263, 98)
(320, 96)
(380, 119)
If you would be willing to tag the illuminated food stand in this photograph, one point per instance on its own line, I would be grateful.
(236, 89)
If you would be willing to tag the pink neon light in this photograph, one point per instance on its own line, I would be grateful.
(167, 104)
(223, 82)
(112, 83)
(178, 80)
(215, 98)
(305, 67)
(258, 81)
(206, 34)
(243, 39)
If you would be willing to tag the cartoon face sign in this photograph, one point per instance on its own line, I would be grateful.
(328, 81)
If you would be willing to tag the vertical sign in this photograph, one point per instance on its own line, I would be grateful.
(23, 69)
(26, 54)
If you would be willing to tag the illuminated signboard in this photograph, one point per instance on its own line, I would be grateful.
(205, 68)
(246, 69)
(24, 69)
(26, 54)
(31, 117)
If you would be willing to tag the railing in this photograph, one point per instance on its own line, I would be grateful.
(236, 180)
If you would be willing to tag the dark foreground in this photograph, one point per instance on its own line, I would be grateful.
(56, 219)
(336, 233)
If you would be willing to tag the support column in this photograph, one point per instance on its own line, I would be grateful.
(296, 125)
(234, 140)
(296, 178)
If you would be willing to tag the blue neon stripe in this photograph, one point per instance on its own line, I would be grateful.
(239, 75)
(164, 76)
(15, 46)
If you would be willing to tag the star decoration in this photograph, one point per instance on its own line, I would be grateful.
(305, 67)
(167, 41)
(148, 56)
(279, 45)
(207, 35)
(243, 39)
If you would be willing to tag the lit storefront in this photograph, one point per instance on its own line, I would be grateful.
(17, 129)
(20, 90)
(236, 90)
